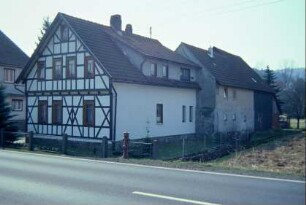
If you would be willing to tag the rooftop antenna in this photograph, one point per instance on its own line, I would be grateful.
(150, 31)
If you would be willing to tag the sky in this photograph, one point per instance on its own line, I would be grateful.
(262, 32)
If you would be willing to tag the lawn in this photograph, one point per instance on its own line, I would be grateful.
(284, 155)
(293, 123)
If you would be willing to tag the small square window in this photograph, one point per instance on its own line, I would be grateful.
(17, 105)
(185, 74)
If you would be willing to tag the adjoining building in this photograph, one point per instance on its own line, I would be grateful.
(233, 97)
(12, 60)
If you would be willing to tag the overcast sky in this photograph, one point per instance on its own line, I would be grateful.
(263, 32)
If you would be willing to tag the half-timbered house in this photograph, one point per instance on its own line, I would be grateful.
(89, 80)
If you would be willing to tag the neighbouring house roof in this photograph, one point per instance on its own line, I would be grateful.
(10, 53)
(101, 41)
(229, 69)
(11, 90)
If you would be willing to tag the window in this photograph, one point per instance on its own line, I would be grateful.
(184, 113)
(190, 113)
(70, 67)
(185, 74)
(165, 71)
(9, 75)
(89, 113)
(57, 112)
(234, 117)
(244, 118)
(153, 69)
(217, 89)
(225, 117)
(17, 105)
(234, 94)
(225, 93)
(43, 112)
(89, 68)
(159, 113)
(64, 33)
(41, 70)
(57, 69)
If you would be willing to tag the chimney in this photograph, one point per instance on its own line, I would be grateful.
(129, 29)
(211, 52)
(115, 22)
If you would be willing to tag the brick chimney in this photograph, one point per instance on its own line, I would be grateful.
(129, 29)
(115, 22)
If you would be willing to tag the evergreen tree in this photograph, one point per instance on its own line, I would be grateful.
(270, 79)
(45, 26)
(5, 117)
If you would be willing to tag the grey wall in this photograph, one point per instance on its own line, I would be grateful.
(205, 97)
(263, 107)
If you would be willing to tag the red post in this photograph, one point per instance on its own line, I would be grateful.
(125, 145)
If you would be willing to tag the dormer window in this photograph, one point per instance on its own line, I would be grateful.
(165, 71)
(185, 74)
(153, 70)
(64, 33)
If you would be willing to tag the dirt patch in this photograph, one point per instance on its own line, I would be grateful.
(285, 155)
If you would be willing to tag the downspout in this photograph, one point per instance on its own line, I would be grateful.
(115, 114)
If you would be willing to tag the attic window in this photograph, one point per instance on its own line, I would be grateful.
(64, 33)
(255, 81)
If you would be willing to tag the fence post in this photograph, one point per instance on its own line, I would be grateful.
(183, 151)
(30, 144)
(125, 145)
(2, 143)
(154, 149)
(104, 147)
(64, 143)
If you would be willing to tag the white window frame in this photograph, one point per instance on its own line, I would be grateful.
(19, 104)
(10, 73)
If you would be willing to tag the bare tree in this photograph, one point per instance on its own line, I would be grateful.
(293, 97)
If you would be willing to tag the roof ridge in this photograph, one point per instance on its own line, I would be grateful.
(108, 27)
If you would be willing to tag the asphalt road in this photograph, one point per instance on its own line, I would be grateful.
(27, 178)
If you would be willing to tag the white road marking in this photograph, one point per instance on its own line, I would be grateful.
(173, 198)
(158, 167)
